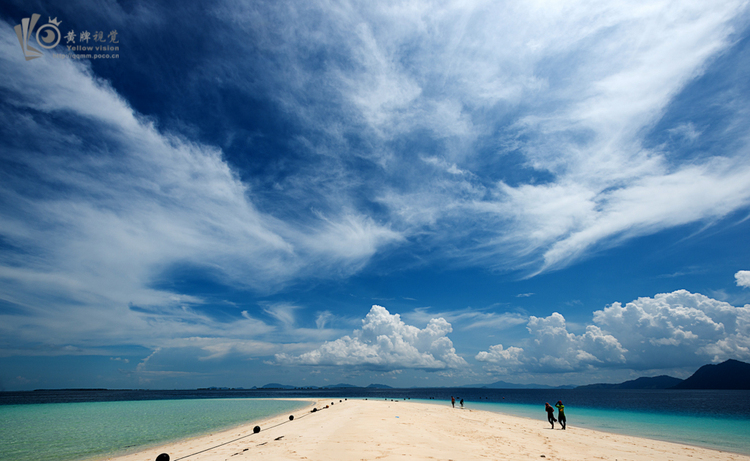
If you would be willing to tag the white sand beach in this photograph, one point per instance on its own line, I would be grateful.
(399, 430)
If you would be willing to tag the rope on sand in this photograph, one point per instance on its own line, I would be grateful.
(256, 430)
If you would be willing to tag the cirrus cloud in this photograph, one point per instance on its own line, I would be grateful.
(117, 204)
(529, 156)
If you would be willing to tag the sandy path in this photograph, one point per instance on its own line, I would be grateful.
(402, 430)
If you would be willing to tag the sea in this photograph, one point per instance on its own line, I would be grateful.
(92, 424)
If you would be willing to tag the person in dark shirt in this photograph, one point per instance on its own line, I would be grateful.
(550, 414)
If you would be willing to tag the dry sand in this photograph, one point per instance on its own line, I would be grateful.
(355, 430)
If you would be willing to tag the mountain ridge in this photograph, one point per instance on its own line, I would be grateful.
(655, 382)
(728, 375)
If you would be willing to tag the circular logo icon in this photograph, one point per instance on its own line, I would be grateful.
(50, 38)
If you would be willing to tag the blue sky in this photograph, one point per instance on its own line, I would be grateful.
(408, 193)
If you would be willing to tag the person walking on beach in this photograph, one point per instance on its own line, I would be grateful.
(462, 404)
(550, 414)
(561, 413)
(453, 401)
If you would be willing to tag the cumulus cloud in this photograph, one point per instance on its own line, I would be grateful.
(385, 342)
(678, 328)
(554, 349)
(670, 330)
(503, 357)
(415, 129)
(743, 279)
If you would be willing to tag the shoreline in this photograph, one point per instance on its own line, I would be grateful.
(648, 422)
(394, 429)
(136, 450)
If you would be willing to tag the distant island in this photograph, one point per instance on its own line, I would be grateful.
(728, 375)
(731, 374)
(506, 385)
(656, 382)
(332, 386)
(379, 386)
(277, 386)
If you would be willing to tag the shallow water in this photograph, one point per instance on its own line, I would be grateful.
(121, 420)
(725, 434)
(85, 430)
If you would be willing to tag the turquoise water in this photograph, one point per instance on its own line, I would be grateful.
(97, 423)
(725, 434)
(77, 431)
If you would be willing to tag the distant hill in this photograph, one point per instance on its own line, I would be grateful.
(656, 382)
(214, 388)
(731, 374)
(506, 385)
(332, 386)
(276, 386)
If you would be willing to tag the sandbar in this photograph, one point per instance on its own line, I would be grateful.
(357, 429)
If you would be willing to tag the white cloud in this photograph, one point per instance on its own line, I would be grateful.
(686, 131)
(708, 192)
(554, 349)
(349, 240)
(137, 203)
(553, 343)
(385, 342)
(743, 278)
(573, 91)
(323, 318)
(670, 330)
(469, 318)
(504, 357)
(568, 90)
(283, 312)
(678, 328)
(568, 93)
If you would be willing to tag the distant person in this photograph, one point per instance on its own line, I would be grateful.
(561, 413)
(453, 401)
(550, 414)
(462, 404)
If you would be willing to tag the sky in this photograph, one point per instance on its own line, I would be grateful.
(411, 193)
